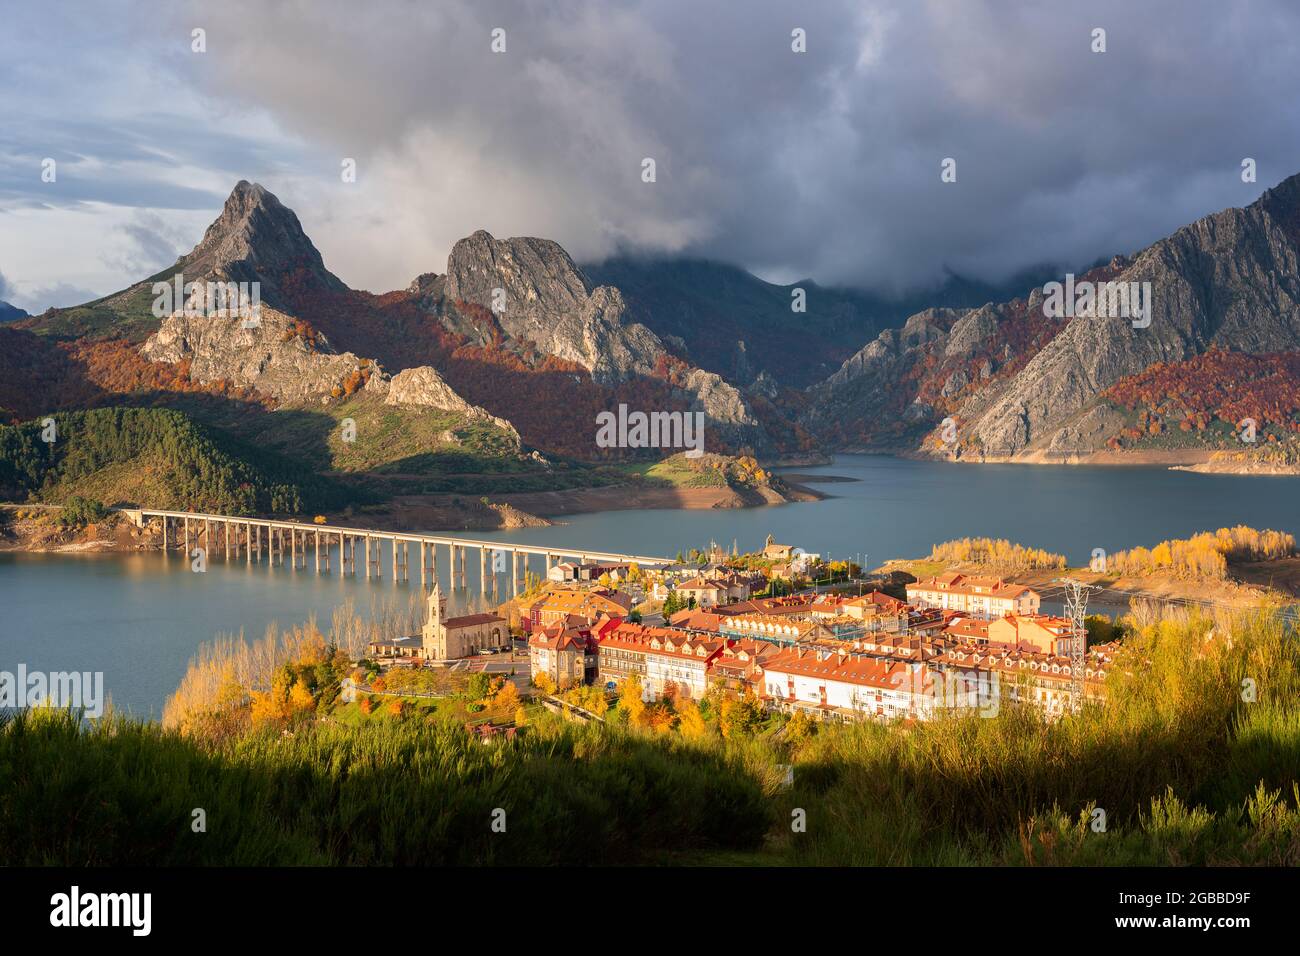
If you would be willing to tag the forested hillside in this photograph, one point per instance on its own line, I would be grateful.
(155, 456)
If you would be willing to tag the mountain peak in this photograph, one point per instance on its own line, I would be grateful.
(256, 238)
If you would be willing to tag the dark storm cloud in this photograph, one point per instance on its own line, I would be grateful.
(822, 164)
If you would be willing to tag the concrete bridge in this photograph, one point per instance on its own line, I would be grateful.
(229, 534)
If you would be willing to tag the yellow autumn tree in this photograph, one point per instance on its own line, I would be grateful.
(300, 699)
(690, 721)
(543, 682)
(631, 702)
(506, 700)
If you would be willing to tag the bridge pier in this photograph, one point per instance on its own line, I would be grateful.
(177, 526)
(433, 563)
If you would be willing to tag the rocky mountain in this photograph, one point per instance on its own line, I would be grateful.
(538, 295)
(732, 322)
(256, 239)
(423, 387)
(528, 296)
(1018, 383)
(9, 313)
(509, 317)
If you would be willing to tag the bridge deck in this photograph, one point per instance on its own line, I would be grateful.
(139, 514)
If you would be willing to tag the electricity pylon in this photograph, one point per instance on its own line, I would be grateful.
(1076, 607)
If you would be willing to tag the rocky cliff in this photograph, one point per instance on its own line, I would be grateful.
(540, 299)
(1230, 280)
(1020, 383)
(423, 387)
(279, 357)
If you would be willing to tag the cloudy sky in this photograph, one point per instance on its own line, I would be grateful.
(824, 163)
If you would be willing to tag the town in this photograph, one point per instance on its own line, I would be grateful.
(831, 644)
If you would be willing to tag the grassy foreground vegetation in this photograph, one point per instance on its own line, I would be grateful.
(1193, 759)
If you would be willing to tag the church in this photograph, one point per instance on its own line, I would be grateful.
(445, 638)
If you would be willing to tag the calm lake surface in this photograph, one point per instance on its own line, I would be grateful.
(140, 617)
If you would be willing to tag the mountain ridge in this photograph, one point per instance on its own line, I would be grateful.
(1020, 385)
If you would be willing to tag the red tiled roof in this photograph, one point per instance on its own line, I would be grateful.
(866, 671)
(469, 620)
(636, 637)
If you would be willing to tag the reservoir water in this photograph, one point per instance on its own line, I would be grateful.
(140, 617)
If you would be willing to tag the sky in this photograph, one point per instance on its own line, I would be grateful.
(824, 163)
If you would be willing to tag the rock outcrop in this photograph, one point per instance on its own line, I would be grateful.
(537, 294)
(279, 357)
(423, 387)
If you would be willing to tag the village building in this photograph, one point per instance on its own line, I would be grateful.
(833, 686)
(397, 649)
(589, 604)
(903, 647)
(715, 589)
(878, 612)
(776, 552)
(794, 604)
(572, 572)
(666, 660)
(694, 619)
(777, 629)
(985, 597)
(567, 652)
(735, 670)
(928, 621)
(1045, 681)
(446, 638)
(1045, 633)
(565, 572)
(966, 630)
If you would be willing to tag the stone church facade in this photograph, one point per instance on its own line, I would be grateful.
(446, 638)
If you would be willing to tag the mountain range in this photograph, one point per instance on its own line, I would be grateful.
(497, 366)
(1017, 384)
